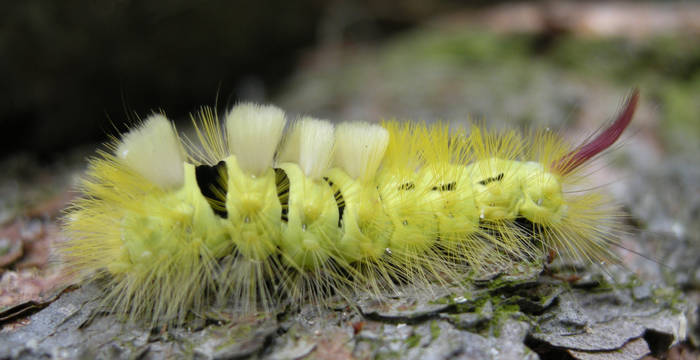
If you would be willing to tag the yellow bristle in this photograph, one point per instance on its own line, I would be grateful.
(159, 161)
(309, 143)
(359, 148)
(212, 145)
(253, 133)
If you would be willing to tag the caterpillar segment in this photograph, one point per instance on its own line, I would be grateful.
(253, 216)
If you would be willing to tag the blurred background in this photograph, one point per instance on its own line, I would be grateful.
(72, 72)
(70, 69)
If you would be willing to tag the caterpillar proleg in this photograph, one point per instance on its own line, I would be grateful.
(255, 215)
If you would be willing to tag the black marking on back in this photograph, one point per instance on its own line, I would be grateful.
(451, 186)
(282, 192)
(213, 184)
(339, 201)
(407, 186)
(486, 181)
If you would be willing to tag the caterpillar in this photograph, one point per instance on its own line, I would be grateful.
(255, 212)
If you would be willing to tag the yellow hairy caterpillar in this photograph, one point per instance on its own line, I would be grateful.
(262, 212)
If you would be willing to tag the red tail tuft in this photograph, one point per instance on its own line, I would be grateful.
(583, 153)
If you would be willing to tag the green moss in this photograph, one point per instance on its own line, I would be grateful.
(434, 330)
(462, 47)
(451, 299)
(673, 297)
(626, 60)
(234, 335)
(389, 355)
(603, 285)
(413, 341)
(680, 106)
(501, 312)
(633, 282)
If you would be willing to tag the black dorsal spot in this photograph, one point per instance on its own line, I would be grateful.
(282, 182)
(213, 184)
(407, 186)
(451, 186)
(487, 181)
(339, 201)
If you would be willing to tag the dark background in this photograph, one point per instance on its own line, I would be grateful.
(73, 71)
(71, 68)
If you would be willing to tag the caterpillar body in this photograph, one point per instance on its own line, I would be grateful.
(254, 216)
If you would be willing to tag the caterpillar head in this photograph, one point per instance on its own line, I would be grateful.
(542, 198)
